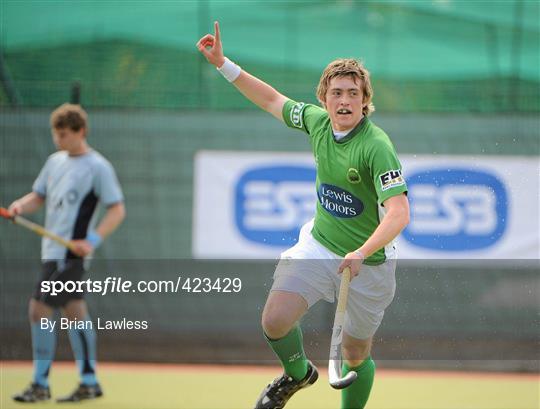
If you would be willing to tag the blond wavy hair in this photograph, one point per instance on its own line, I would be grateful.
(344, 67)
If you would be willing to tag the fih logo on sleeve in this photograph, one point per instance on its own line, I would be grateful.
(296, 114)
(456, 209)
(273, 202)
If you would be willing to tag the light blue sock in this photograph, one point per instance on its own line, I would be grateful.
(83, 344)
(43, 348)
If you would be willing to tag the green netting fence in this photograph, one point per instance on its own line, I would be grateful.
(424, 56)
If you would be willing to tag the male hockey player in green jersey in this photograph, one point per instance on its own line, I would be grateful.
(362, 206)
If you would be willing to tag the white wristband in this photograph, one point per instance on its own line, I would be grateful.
(359, 253)
(230, 70)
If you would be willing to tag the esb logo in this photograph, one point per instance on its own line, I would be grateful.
(456, 209)
(272, 203)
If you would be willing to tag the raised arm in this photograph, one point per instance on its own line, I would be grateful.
(257, 91)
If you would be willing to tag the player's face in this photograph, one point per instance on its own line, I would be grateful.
(69, 140)
(344, 102)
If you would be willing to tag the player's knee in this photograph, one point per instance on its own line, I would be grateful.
(275, 325)
(354, 357)
(355, 352)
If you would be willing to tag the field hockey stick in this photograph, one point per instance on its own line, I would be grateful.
(334, 363)
(36, 228)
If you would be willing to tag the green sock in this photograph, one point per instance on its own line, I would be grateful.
(290, 351)
(356, 395)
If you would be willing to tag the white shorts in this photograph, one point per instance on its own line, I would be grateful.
(310, 270)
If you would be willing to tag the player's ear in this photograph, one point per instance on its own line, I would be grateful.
(323, 103)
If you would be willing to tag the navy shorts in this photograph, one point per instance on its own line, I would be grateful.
(68, 270)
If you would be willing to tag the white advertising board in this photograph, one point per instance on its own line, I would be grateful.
(252, 205)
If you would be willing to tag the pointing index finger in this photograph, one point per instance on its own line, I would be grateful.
(216, 32)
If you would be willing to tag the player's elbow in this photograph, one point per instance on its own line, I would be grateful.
(404, 212)
(122, 212)
(119, 212)
(401, 215)
(404, 216)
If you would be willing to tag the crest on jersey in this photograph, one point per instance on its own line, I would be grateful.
(353, 176)
(72, 196)
(296, 115)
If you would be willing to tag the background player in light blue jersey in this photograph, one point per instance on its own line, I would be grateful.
(71, 184)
